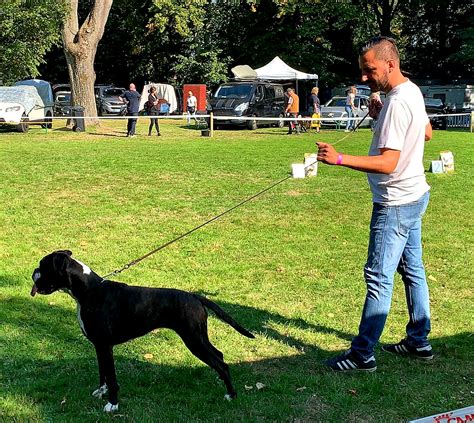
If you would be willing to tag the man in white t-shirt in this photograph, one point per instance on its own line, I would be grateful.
(400, 195)
(191, 106)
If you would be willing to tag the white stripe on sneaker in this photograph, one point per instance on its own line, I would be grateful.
(353, 365)
(427, 348)
(404, 349)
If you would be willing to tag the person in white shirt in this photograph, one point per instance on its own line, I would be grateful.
(191, 106)
(400, 196)
(349, 108)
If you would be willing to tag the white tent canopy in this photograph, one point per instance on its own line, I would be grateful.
(277, 69)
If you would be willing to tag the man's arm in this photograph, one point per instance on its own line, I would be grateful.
(385, 162)
(428, 132)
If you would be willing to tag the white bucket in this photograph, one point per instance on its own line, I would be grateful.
(297, 170)
(311, 165)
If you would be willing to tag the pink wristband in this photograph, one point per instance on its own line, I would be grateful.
(339, 159)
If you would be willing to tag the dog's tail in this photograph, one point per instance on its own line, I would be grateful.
(221, 314)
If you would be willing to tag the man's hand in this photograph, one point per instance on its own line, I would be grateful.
(326, 153)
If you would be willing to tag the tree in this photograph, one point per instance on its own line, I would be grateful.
(80, 46)
(28, 29)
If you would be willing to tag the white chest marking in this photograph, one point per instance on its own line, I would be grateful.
(78, 309)
(81, 323)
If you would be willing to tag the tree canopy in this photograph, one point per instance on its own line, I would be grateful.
(28, 29)
(193, 41)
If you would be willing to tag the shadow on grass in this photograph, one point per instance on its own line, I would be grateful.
(58, 387)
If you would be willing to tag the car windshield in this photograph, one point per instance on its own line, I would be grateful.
(113, 92)
(336, 102)
(437, 102)
(63, 97)
(234, 91)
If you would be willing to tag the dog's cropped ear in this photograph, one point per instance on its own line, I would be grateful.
(61, 261)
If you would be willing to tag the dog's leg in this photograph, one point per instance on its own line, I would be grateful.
(102, 390)
(105, 358)
(206, 352)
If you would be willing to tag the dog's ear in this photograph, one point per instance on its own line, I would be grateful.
(61, 261)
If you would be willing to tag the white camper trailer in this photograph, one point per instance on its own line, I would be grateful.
(455, 97)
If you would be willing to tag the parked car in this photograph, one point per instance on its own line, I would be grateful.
(335, 108)
(436, 111)
(108, 101)
(62, 103)
(28, 102)
(253, 98)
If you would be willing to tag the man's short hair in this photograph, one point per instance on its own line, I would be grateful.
(289, 90)
(385, 48)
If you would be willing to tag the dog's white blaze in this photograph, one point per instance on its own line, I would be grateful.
(86, 269)
(110, 408)
(36, 276)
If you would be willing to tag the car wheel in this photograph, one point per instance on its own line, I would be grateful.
(24, 124)
(281, 122)
(48, 121)
(252, 124)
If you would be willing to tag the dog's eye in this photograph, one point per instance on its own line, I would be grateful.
(36, 276)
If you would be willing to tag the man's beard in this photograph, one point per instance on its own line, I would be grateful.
(380, 85)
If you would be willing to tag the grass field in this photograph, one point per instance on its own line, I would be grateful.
(287, 265)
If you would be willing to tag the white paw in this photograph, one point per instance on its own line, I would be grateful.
(98, 393)
(110, 408)
(227, 397)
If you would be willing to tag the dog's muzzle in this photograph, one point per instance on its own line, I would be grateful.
(36, 275)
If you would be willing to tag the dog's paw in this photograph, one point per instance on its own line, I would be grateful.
(228, 397)
(110, 408)
(100, 392)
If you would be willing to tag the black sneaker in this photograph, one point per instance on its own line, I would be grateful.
(349, 362)
(403, 348)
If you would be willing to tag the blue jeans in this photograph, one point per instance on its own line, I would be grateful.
(394, 245)
(349, 122)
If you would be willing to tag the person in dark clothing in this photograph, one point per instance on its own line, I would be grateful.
(154, 110)
(132, 98)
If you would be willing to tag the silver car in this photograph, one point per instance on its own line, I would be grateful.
(335, 108)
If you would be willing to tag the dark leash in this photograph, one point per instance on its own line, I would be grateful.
(172, 241)
(360, 122)
(138, 260)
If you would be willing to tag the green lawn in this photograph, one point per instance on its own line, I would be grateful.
(287, 265)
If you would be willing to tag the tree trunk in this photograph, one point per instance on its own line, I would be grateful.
(80, 47)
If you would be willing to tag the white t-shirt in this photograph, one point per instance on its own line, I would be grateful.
(192, 101)
(350, 99)
(401, 126)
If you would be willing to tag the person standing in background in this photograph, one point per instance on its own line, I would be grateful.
(132, 99)
(351, 92)
(154, 110)
(191, 106)
(292, 110)
(316, 109)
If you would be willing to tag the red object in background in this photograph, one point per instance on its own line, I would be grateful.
(199, 91)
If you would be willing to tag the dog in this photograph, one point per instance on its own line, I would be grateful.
(110, 313)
